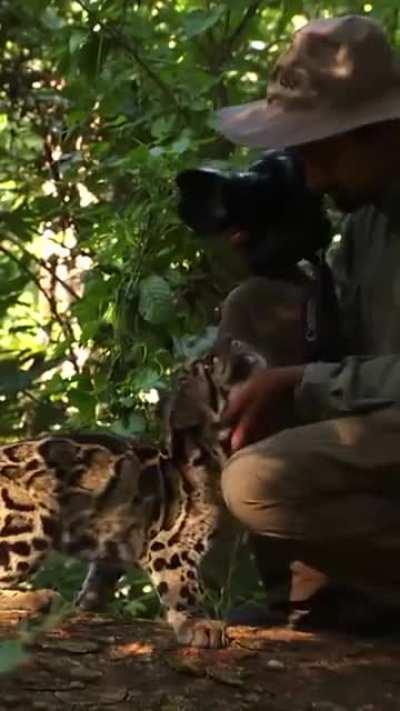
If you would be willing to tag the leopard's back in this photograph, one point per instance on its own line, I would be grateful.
(76, 493)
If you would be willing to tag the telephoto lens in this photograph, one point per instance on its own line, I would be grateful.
(281, 220)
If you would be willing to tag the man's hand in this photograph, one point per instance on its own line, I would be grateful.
(237, 237)
(259, 407)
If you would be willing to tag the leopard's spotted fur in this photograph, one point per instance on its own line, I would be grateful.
(116, 502)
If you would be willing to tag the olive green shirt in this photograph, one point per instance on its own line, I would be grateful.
(367, 273)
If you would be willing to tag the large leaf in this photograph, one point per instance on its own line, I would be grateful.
(156, 300)
(52, 20)
(198, 21)
(76, 40)
(135, 424)
(146, 378)
(85, 403)
(14, 379)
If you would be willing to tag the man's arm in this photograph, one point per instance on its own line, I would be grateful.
(319, 391)
(359, 383)
(356, 385)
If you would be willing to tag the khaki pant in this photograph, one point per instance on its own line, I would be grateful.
(326, 494)
(321, 500)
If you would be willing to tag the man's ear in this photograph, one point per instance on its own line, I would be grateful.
(241, 357)
(243, 365)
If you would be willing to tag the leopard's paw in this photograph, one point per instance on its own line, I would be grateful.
(200, 632)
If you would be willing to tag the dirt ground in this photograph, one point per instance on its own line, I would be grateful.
(93, 662)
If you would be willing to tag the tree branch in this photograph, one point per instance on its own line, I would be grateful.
(239, 29)
(43, 265)
(132, 51)
(116, 34)
(65, 327)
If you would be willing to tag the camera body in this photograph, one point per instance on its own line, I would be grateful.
(282, 220)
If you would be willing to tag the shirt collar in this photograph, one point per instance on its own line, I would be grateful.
(389, 204)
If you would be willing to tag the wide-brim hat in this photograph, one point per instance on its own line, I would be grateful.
(338, 75)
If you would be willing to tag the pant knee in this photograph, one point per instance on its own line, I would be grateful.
(254, 487)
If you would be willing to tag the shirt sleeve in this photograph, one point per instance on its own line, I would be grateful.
(356, 385)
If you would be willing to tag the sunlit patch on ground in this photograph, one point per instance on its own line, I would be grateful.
(133, 649)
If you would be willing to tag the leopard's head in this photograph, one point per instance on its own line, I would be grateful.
(194, 412)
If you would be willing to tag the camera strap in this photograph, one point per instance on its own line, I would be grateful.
(321, 315)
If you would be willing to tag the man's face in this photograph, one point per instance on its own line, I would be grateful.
(346, 167)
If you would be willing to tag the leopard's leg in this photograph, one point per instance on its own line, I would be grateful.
(174, 571)
(99, 584)
(26, 538)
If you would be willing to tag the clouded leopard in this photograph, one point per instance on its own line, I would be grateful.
(116, 502)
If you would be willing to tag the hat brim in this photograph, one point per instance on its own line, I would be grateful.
(259, 124)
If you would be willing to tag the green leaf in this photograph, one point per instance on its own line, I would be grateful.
(76, 40)
(85, 402)
(155, 300)
(293, 7)
(95, 299)
(12, 655)
(182, 143)
(237, 4)
(13, 286)
(13, 378)
(146, 379)
(135, 425)
(142, 27)
(162, 126)
(198, 21)
(92, 55)
(51, 19)
(136, 608)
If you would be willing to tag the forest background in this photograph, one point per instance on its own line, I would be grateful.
(102, 290)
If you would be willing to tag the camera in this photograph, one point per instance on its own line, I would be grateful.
(281, 220)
